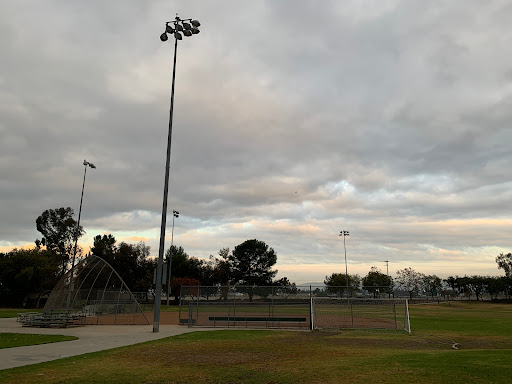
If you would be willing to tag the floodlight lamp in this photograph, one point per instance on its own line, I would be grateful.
(164, 37)
(168, 29)
(187, 33)
(195, 23)
(195, 31)
(187, 26)
(178, 36)
(92, 165)
(179, 27)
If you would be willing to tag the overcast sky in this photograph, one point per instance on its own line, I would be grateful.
(293, 120)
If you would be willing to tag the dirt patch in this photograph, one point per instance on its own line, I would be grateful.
(166, 318)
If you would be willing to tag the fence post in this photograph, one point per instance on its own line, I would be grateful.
(179, 310)
(351, 312)
(197, 309)
(271, 314)
(234, 307)
(394, 313)
(310, 308)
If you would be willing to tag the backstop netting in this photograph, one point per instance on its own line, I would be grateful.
(339, 313)
(94, 289)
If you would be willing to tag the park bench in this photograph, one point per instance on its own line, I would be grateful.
(269, 321)
(188, 321)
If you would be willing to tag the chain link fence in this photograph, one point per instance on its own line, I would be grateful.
(264, 307)
(245, 306)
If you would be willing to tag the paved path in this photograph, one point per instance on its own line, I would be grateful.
(92, 338)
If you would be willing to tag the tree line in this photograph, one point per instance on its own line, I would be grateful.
(27, 275)
(414, 283)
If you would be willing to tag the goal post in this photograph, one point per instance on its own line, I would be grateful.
(348, 313)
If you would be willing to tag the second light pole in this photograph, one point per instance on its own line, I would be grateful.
(174, 214)
(188, 27)
(77, 232)
(344, 234)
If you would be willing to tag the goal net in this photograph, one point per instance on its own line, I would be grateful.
(338, 313)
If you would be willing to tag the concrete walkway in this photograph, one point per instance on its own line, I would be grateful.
(92, 338)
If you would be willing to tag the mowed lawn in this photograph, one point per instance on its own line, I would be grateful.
(11, 340)
(483, 330)
(13, 312)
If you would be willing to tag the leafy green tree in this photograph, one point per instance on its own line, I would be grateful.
(337, 283)
(432, 284)
(377, 282)
(409, 280)
(494, 286)
(130, 261)
(104, 246)
(222, 268)
(505, 262)
(59, 230)
(185, 267)
(507, 282)
(463, 286)
(251, 263)
(477, 285)
(182, 265)
(285, 287)
(27, 273)
(222, 272)
(452, 282)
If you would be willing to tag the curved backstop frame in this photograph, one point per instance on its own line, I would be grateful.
(94, 290)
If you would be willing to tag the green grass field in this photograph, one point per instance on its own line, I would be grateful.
(483, 330)
(10, 340)
(13, 312)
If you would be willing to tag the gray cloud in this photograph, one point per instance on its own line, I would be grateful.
(292, 121)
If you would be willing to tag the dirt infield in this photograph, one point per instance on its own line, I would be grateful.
(248, 320)
(166, 318)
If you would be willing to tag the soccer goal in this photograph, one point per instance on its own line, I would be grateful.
(339, 313)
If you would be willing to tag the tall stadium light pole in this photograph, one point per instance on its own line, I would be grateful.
(188, 27)
(91, 165)
(345, 234)
(77, 232)
(387, 273)
(387, 267)
(174, 214)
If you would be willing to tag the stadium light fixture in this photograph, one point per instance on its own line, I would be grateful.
(173, 28)
(345, 234)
